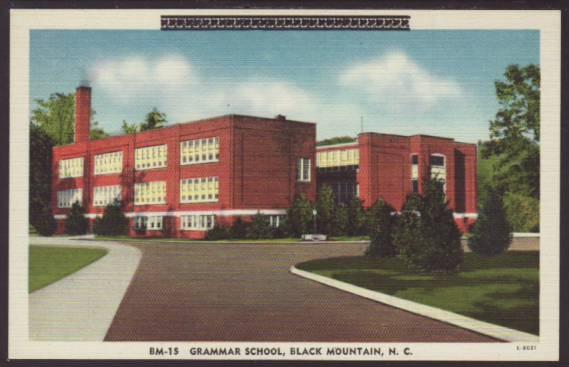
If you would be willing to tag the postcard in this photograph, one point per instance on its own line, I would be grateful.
(255, 184)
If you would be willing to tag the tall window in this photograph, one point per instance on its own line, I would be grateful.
(438, 169)
(199, 151)
(197, 222)
(66, 198)
(303, 170)
(151, 157)
(415, 173)
(199, 190)
(105, 195)
(108, 163)
(71, 167)
(150, 193)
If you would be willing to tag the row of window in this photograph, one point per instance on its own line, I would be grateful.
(71, 167)
(199, 190)
(338, 158)
(150, 193)
(199, 151)
(192, 222)
(66, 198)
(105, 195)
(151, 157)
(108, 163)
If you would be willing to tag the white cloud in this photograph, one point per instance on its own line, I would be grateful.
(135, 77)
(398, 82)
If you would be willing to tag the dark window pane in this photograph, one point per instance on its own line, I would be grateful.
(437, 160)
(415, 186)
(414, 159)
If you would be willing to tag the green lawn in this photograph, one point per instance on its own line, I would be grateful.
(503, 290)
(49, 264)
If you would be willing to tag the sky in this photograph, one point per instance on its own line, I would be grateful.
(418, 82)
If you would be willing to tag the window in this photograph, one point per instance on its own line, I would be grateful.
(197, 222)
(148, 223)
(338, 158)
(275, 220)
(66, 199)
(199, 151)
(151, 157)
(303, 170)
(414, 159)
(415, 185)
(108, 163)
(105, 195)
(438, 169)
(199, 190)
(71, 167)
(150, 193)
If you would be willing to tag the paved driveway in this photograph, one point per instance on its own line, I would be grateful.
(220, 292)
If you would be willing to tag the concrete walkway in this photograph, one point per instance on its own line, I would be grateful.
(82, 306)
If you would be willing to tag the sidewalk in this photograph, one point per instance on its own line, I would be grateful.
(82, 306)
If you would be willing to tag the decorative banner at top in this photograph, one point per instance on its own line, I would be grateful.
(283, 23)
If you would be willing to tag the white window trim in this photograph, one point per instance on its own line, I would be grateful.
(300, 169)
(197, 222)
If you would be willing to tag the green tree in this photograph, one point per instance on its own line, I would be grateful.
(325, 208)
(217, 233)
(56, 116)
(260, 227)
(341, 221)
(336, 140)
(129, 128)
(381, 223)
(76, 223)
(41, 145)
(239, 229)
(426, 235)
(153, 120)
(113, 222)
(515, 131)
(492, 234)
(299, 217)
(522, 212)
(356, 218)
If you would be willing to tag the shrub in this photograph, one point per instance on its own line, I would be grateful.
(217, 233)
(356, 218)
(76, 223)
(341, 221)
(325, 207)
(260, 227)
(282, 230)
(381, 223)
(300, 218)
(426, 234)
(239, 229)
(112, 223)
(492, 233)
(522, 212)
(44, 223)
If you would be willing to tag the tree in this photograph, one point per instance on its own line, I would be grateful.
(426, 235)
(260, 227)
(76, 223)
(300, 218)
(41, 145)
(325, 208)
(153, 120)
(129, 128)
(356, 218)
(515, 131)
(217, 233)
(113, 222)
(341, 221)
(336, 140)
(381, 223)
(56, 117)
(492, 234)
(522, 212)
(45, 223)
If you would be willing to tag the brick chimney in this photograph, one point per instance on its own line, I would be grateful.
(82, 114)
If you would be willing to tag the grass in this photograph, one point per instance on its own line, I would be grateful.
(276, 241)
(48, 264)
(503, 290)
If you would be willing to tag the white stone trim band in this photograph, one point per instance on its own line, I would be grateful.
(221, 213)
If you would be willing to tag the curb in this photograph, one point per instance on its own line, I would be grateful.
(481, 327)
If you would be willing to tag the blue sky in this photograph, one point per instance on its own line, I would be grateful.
(430, 82)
